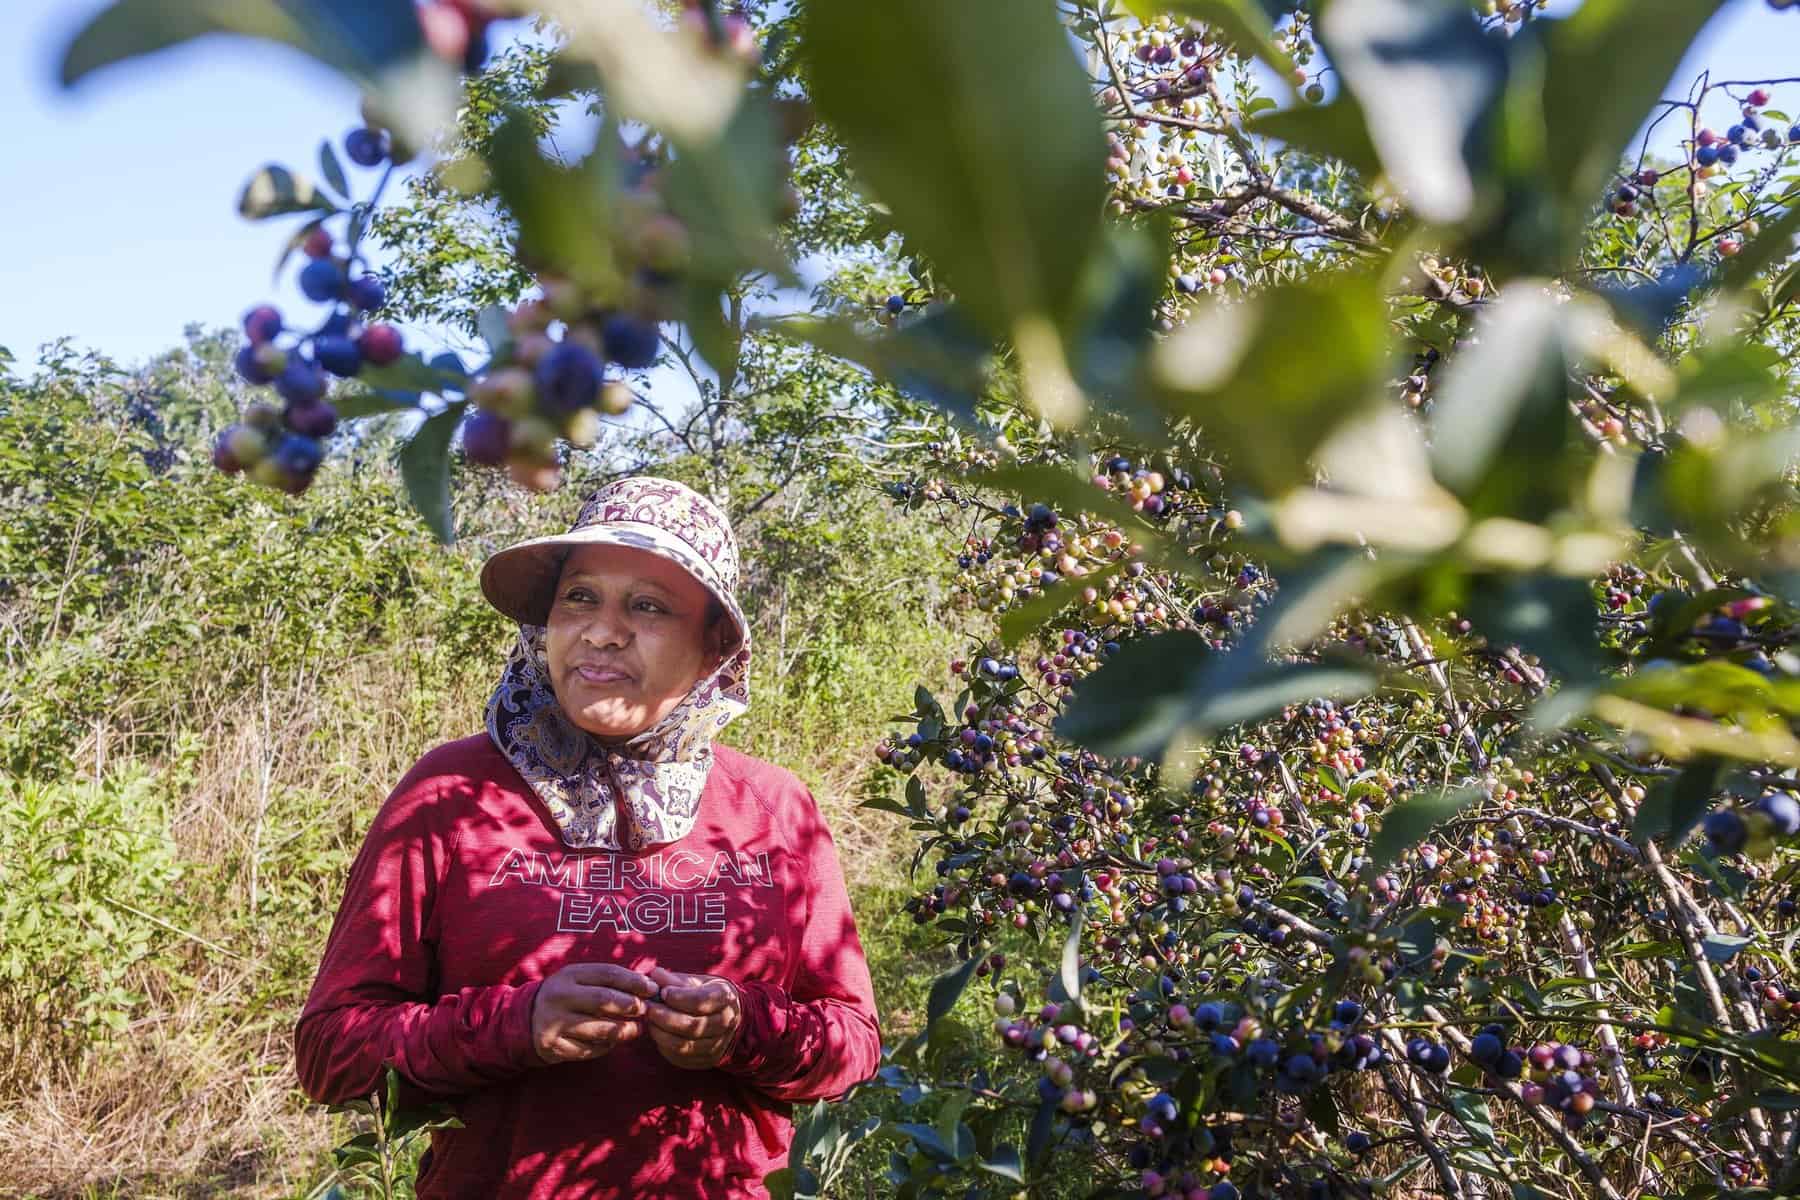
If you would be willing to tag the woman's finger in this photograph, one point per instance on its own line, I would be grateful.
(611, 975)
(681, 1024)
(603, 1001)
(708, 996)
(604, 1031)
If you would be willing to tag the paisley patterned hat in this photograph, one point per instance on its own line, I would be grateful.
(644, 791)
(642, 512)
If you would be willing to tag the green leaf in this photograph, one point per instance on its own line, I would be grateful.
(564, 214)
(1407, 823)
(1546, 615)
(1338, 130)
(1270, 376)
(1672, 807)
(411, 373)
(1004, 1162)
(1427, 77)
(1043, 1124)
(1159, 687)
(1723, 947)
(940, 359)
(991, 162)
(332, 169)
(947, 989)
(275, 191)
(377, 44)
(425, 468)
(1500, 434)
(1069, 975)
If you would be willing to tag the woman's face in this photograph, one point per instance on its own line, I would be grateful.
(627, 638)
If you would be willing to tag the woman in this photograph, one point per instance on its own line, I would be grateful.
(623, 950)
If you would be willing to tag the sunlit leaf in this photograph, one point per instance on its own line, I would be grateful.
(991, 162)
(1427, 77)
(276, 191)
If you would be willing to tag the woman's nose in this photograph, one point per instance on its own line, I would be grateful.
(607, 627)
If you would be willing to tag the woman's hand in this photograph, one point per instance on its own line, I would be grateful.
(695, 1019)
(586, 1009)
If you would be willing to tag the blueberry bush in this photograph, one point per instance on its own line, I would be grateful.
(1365, 427)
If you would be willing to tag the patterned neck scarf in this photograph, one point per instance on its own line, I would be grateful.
(652, 780)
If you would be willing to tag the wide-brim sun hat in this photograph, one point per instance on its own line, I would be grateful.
(640, 512)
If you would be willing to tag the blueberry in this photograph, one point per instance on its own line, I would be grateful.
(1163, 1107)
(367, 292)
(249, 368)
(568, 378)
(1437, 1059)
(1510, 1066)
(630, 342)
(262, 323)
(1347, 1012)
(1225, 1190)
(1728, 154)
(896, 304)
(322, 279)
(338, 354)
(1706, 156)
(1486, 1049)
(1783, 810)
(298, 455)
(1208, 1015)
(1794, 133)
(366, 147)
(300, 381)
(1301, 1068)
(1736, 134)
(1356, 1142)
(1725, 830)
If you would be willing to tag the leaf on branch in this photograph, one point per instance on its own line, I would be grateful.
(275, 191)
(1173, 685)
(1272, 375)
(1427, 78)
(1408, 822)
(993, 163)
(425, 468)
(1672, 807)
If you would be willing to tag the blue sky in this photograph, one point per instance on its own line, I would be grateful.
(119, 208)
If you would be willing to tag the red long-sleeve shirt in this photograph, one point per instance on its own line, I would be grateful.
(464, 897)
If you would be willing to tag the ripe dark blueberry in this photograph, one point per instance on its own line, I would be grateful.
(568, 378)
(300, 381)
(1706, 156)
(1726, 831)
(630, 342)
(249, 368)
(338, 354)
(380, 344)
(311, 418)
(1301, 1068)
(262, 323)
(1225, 1190)
(1728, 154)
(366, 147)
(1163, 1107)
(1486, 1049)
(1347, 1012)
(485, 438)
(367, 292)
(896, 304)
(1794, 133)
(298, 455)
(1356, 1142)
(322, 279)
(1437, 1059)
(1510, 1065)
(1208, 1015)
(1783, 811)
(1736, 134)
(1264, 1052)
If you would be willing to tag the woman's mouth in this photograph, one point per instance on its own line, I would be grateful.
(600, 675)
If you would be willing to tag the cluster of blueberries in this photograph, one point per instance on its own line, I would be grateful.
(282, 447)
